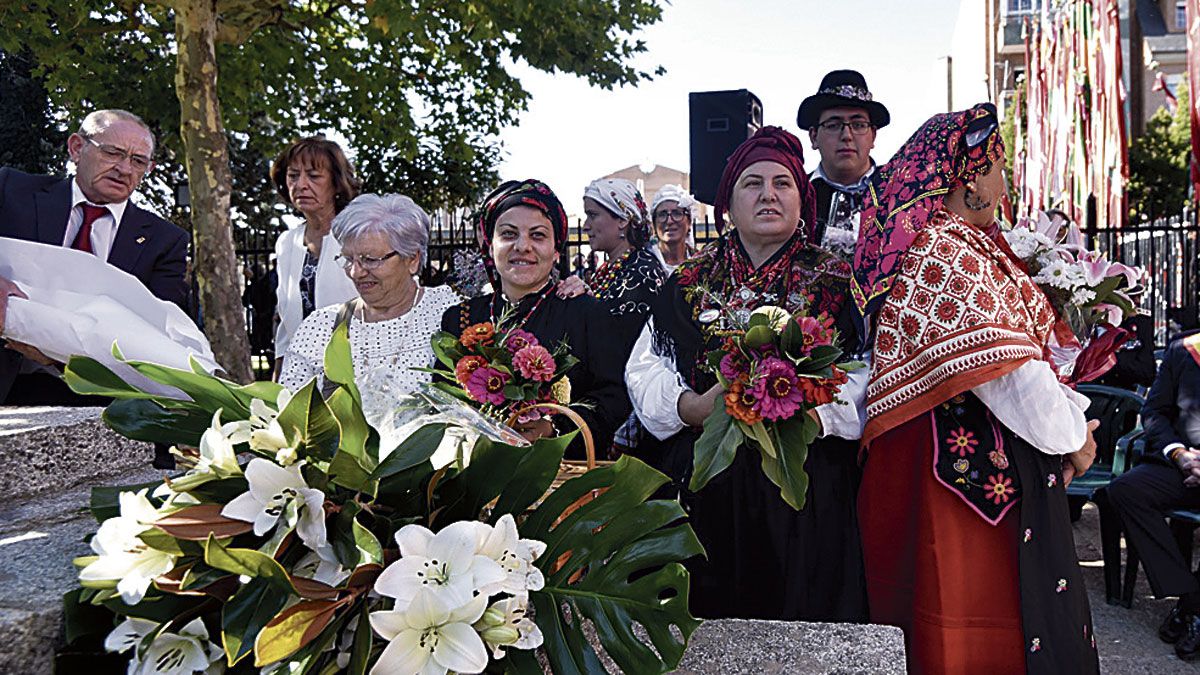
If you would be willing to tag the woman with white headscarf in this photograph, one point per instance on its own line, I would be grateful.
(626, 285)
(672, 214)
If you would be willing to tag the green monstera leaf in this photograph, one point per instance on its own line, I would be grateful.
(614, 561)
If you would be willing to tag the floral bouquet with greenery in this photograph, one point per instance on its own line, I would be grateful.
(290, 546)
(506, 372)
(775, 370)
(1085, 288)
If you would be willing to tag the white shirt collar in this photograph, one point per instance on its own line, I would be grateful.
(856, 186)
(117, 209)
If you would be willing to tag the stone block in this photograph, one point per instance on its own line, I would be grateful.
(48, 448)
(737, 647)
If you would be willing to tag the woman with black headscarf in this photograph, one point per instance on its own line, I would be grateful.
(970, 438)
(765, 560)
(523, 234)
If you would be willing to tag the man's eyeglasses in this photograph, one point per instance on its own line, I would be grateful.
(364, 262)
(668, 214)
(112, 153)
(857, 127)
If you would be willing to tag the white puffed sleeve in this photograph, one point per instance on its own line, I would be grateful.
(654, 387)
(1034, 405)
(847, 419)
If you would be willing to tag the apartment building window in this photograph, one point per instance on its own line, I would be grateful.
(1181, 15)
(1023, 6)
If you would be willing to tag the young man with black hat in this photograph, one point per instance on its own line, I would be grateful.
(841, 119)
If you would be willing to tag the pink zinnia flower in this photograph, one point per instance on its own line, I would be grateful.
(816, 333)
(535, 363)
(519, 339)
(732, 366)
(777, 393)
(486, 385)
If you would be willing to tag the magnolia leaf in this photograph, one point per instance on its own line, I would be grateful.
(292, 629)
(161, 541)
(197, 523)
(514, 477)
(715, 449)
(85, 375)
(106, 500)
(309, 425)
(414, 450)
(82, 618)
(247, 562)
(357, 453)
(360, 651)
(246, 613)
(149, 421)
(339, 366)
(622, 567)
(221, 491)
(207, 391)
(312, 589)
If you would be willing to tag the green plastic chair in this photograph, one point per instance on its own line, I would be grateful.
(1119, 412)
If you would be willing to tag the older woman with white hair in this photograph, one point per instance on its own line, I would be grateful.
(383, 241)
(672, 212)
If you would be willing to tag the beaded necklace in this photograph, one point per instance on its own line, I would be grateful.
(507, 316)
(603, 279)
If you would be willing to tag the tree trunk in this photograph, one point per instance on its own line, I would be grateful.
(206, 156)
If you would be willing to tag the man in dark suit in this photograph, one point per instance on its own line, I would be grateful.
(1168, 478)
(89, 211)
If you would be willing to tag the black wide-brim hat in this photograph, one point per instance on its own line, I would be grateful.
(842, 89)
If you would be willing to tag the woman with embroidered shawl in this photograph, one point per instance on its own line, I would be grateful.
(627, 283)
(970, 438)
(764, 559)
(523, 234)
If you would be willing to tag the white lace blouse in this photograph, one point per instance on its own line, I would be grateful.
(383, 352)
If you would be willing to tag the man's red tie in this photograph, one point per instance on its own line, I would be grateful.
(83, 240)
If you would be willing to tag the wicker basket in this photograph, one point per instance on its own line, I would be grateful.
(571, 468)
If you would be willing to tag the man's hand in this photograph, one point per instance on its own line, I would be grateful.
(1081, 460)
(32, 353)
(1188, 461)
(7, 288)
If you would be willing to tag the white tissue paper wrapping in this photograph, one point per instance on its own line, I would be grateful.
(79, 304)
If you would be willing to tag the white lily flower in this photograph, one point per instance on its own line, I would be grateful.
(217, 459)
(514, 555)
(507, 624)
(442, 566)
(184, 653)
(429, 639)
(124, 557)
(277, 492)
(322, 567)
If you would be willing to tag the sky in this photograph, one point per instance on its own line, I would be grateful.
(778, 49)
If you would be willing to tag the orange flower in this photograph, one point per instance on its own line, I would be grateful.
(738, 403)
(467, 365)
(480, 333)
(816, 392)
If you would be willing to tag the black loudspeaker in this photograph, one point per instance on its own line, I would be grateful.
(719, 121)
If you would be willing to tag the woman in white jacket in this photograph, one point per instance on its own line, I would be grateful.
(314, 177)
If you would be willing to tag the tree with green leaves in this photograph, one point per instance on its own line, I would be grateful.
(1158, 163)
(419, 88)
(29, 140)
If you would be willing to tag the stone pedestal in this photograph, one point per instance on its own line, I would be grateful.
(50, 458)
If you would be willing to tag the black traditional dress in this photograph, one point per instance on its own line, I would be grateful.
(764, 559)
(597, 390)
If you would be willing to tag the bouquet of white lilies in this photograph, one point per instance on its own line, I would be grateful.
(290, 546)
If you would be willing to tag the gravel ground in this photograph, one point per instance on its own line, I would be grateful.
(1127, 638)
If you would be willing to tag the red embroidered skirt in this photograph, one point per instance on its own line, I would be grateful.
(935, 568)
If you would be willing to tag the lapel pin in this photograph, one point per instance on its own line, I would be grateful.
(141, 240)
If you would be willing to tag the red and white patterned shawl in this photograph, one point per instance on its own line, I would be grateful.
(961, 313)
